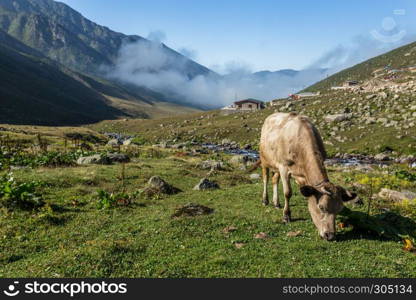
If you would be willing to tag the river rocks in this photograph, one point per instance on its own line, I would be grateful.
(225, 142)
(337, 118)
(178, 146)
(382, 157)
(127, 142)
(396, 196)
(157, 185)
(206, 184)
(192, 210)
(114, 142)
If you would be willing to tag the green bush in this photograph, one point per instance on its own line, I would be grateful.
(403, 174)
(47, 159)
(19, 195)
(110, 200)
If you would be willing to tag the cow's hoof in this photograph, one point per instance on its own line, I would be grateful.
(278, 206)
(286, 219)
(265, 202)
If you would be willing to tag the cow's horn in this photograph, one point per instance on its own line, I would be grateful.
(325, 191)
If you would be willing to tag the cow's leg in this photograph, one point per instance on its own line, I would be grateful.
(275, 181)
(265, 172)
(287, 190)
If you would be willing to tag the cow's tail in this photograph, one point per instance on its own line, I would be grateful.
(255, 166)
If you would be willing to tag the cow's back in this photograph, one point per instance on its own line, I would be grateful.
(285, 136)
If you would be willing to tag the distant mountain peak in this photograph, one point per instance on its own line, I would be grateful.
(63, 34)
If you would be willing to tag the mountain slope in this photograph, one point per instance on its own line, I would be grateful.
(402, 57)
(378, 115)
(36, 90)
(66, 36)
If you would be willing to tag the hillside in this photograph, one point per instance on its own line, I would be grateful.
(66, 36)
(398, 59)
(36, 90)
(375, 116)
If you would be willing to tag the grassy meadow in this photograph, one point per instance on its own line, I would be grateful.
(71, 235)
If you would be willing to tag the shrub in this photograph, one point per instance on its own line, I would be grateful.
(19, 195)
(46, 159)
(110, 200)
(405, 175)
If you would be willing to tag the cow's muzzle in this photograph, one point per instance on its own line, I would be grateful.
(329, 236)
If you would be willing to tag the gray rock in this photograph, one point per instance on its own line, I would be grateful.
(396, 196)
(178, 146)
(114, 142)
(94, 159)
(206, 184)
(238, 160)
(337, 117)
(255, 176)
(225, 142)
(158, 185)
(211, 165)
(382, 157)
(127, 142)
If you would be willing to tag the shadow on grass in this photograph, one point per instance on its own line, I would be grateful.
(384, 226)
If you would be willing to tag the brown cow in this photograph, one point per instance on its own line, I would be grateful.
(290, 146)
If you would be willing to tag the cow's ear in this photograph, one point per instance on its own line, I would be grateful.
(348, 196)
(307, 190)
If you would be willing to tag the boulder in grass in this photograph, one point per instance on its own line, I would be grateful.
(211, 165)
(127, 142)
(396, 196)
(242, 160)
(382, 157)
(114, 142)
(255, 176)
(94, 159)
(337, 118)
(157, 185)
(206, 184)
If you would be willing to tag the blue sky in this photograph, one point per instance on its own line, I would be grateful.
(262, 34)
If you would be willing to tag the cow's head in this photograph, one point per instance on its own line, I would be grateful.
(324, 204)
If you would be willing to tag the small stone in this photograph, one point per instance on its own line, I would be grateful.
(206, 184)
(229, 229)
(261, 235)
(239, 245)
(114, 142)
(294, 233)
(254, 176)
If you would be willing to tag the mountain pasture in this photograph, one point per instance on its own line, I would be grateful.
(137, 235)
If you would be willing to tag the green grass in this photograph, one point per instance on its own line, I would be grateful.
(142, 240)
